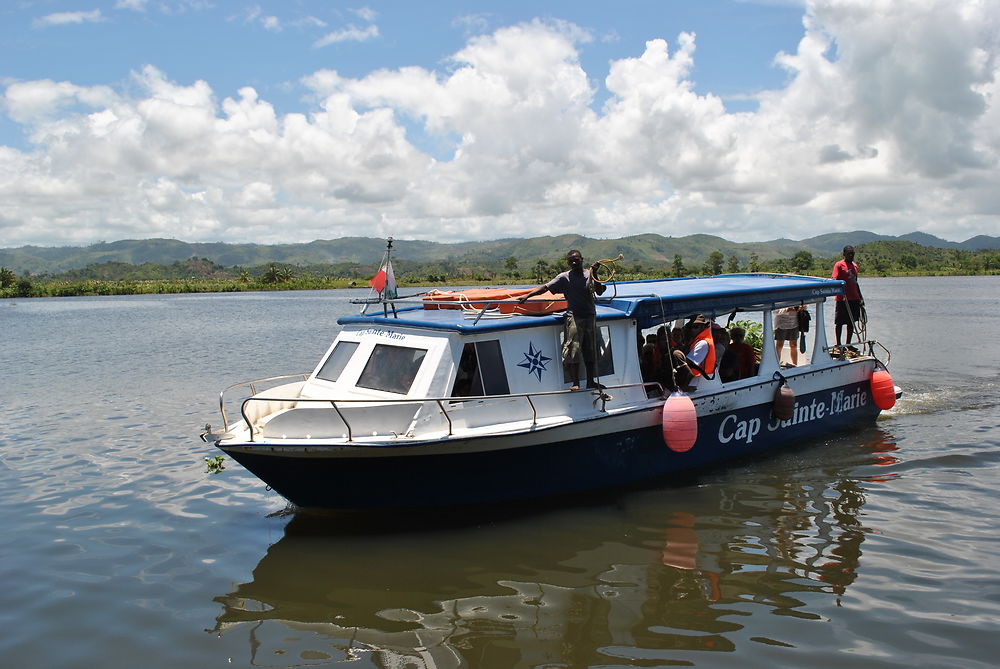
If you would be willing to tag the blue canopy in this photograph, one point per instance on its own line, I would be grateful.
(655, 301)
(650, 302)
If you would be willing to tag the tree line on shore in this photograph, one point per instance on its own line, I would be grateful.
(201, 275)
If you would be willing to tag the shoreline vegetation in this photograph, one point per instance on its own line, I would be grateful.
(201, 275)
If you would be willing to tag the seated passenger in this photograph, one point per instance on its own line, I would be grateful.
(676, 336)
(649, 362)
(664, 360)
(745, 354)
(700, 358)
(720, 336)
(729, 364)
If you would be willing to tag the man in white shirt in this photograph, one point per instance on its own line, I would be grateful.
(700, 357)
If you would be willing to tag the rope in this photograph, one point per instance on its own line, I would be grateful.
(860, 322)
(670, 350)
(609, 264)
(470, 313)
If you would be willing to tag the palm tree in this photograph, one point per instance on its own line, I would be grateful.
(277, 274)
(7, 278)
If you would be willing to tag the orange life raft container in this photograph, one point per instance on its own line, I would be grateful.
(475, 299)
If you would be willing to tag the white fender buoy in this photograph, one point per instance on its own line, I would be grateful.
(680, 422)
(883, 389)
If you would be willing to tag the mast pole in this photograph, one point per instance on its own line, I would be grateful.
(388, 260)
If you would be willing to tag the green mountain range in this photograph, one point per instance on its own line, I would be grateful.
(645, 249)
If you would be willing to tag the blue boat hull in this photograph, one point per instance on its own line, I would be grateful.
(557, 467)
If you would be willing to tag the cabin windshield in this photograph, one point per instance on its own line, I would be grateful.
(337, 360)
(391, 369)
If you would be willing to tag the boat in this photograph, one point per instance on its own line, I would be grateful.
(442, 399)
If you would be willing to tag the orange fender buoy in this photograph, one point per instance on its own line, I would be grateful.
(680, 422)
(883, 390)
(783, 405)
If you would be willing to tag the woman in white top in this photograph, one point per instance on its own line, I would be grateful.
(786, 328)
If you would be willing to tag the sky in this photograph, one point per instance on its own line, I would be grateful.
(294, 120)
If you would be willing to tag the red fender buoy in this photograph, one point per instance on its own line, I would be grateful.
(883, 390)
(680, 422)
(783, 405)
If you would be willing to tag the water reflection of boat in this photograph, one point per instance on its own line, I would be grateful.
(521, 592)
(443, 403)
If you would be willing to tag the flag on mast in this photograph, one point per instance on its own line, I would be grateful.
(390, 282)
(384, 282)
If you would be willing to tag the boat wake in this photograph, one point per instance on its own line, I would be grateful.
(940, 399)
(969, 459)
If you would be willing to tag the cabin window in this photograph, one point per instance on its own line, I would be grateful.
(605, 360)
(337, 360)
(741, 358)
(391, 368)
(481, 371)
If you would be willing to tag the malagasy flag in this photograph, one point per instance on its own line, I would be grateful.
(384, 282)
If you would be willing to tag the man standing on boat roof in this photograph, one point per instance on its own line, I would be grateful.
(578, 286)
(849, 304)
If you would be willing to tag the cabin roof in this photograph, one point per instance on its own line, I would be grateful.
(650, 302)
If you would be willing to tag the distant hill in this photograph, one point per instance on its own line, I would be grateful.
(925, 239)
(644, 249)
(979, 242)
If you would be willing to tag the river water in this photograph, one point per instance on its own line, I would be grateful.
(874, 549)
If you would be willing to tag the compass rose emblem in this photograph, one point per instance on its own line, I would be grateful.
(534, 361)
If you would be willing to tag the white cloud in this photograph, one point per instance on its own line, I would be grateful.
(348, 34)
(310, 21)
(365, 14)
(67, 18)
(473, 24)
(251, 13)
(180, 7)
(890, 114)
(254, 14)
(134, 5)
(32, 102)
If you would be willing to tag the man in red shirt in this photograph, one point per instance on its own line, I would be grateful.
(849, 304)
(740, 360)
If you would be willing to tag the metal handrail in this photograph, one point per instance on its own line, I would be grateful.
(253, 391)
(440, 401)
(333, 403)
(534, 411)
(444, 412)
